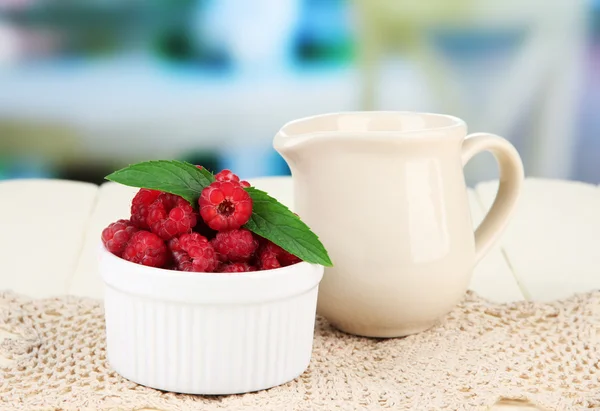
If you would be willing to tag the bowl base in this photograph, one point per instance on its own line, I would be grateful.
(207, 392)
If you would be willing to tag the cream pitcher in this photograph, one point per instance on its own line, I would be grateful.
(385, 192)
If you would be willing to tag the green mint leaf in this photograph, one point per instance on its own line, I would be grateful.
(175, 177)
(275, 222)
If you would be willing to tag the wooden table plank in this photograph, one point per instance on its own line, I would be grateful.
(113, 203)
(492, 278)
(43, 224)
(553, 241)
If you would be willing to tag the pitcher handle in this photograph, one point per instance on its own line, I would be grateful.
(511, 178)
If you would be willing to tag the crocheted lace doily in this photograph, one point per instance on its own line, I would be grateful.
(548, 354)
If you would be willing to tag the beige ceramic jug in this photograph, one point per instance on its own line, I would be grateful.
(385, 192)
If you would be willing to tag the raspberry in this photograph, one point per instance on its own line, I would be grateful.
(181, 260)
(267, 259)
(193, 252)
(146, 248)
(284, 257)
(170, 216)
(139, 207)
(272, 256)
(236, 268)
(225, 205)
(226, 175)
(116, 236)
(235, 245)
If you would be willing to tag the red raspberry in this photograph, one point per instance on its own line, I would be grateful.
(116, 236)
(267, 259)
(235, 245)
(181, 260)
(283, 256)
(139, 207)
(226, 175)
(236, 268)
(170, 216)
(272, 256)
(146, 248)
(193, 252)
(225, 205)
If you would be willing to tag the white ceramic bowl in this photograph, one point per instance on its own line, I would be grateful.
(203, 333)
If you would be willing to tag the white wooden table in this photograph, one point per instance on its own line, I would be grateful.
(50, 229)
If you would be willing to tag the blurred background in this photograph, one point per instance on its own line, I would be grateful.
(88, 86)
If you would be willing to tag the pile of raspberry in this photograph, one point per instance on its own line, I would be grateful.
(165, 231)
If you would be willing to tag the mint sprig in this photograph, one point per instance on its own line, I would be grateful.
(275, 222)
(270, 219)
(175, 177)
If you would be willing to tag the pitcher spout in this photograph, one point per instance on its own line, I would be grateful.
(296, 140)
(310, 132)
(287, 145)
(293, 137)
